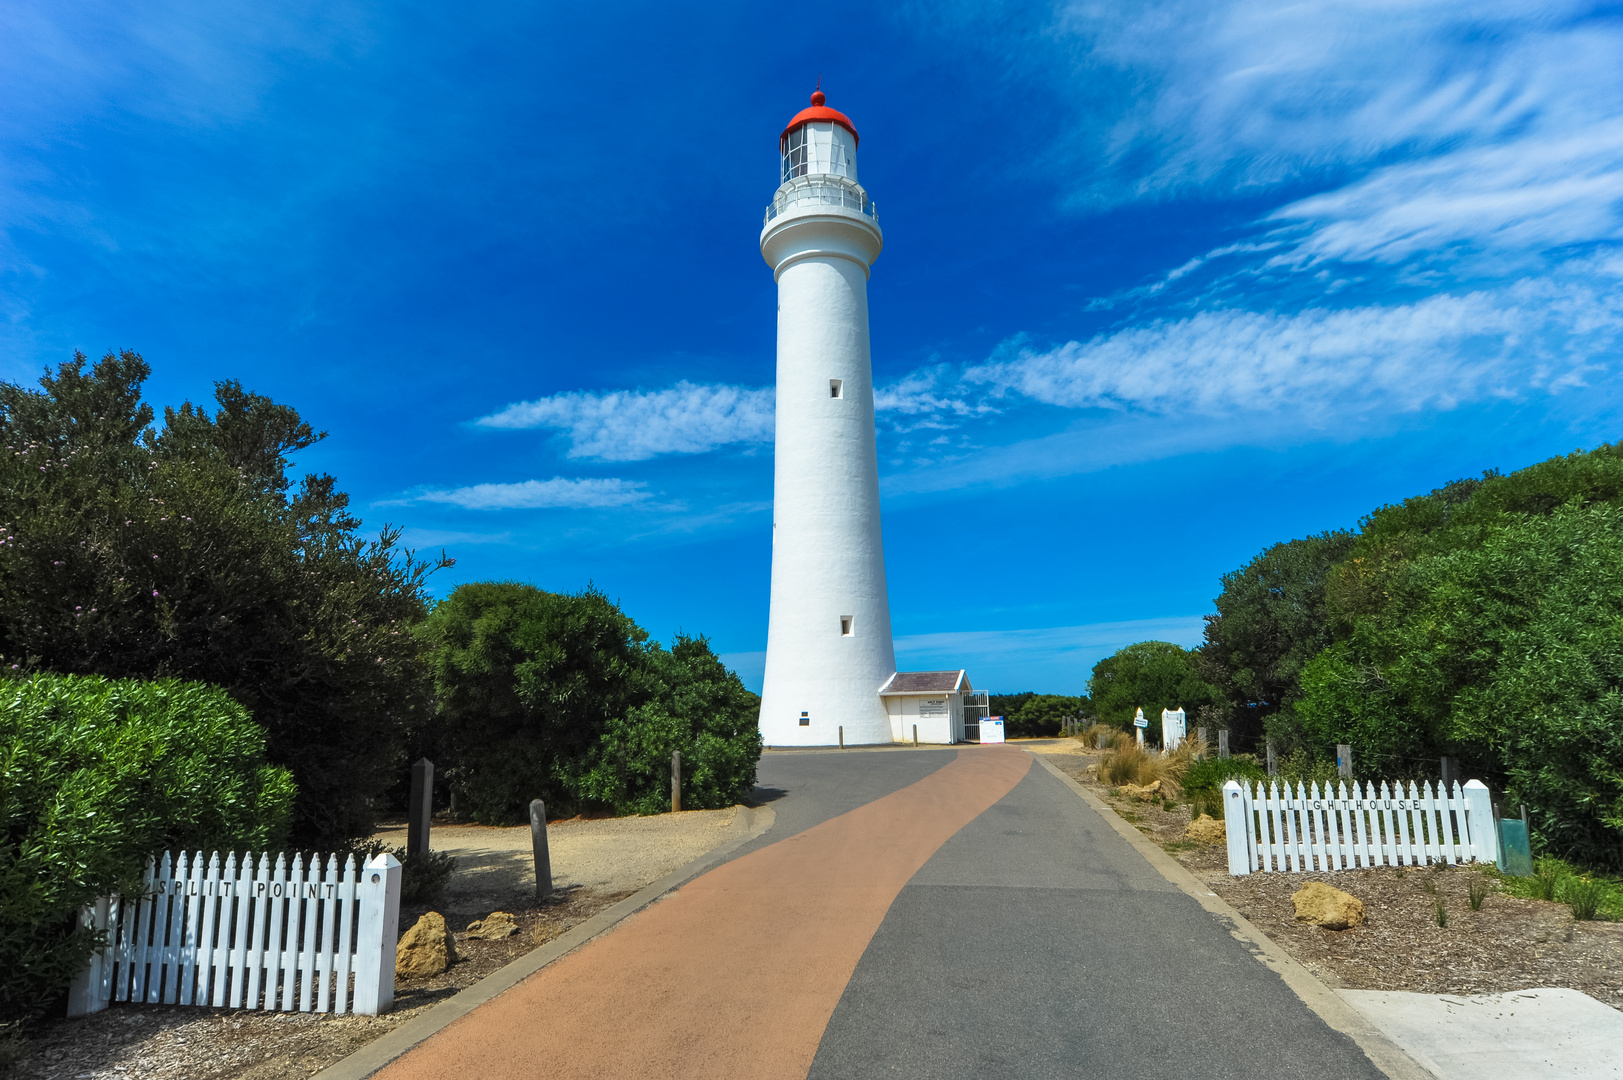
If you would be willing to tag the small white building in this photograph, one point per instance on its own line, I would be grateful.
(932, 700)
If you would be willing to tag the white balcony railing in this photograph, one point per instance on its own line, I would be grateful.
(821, 190)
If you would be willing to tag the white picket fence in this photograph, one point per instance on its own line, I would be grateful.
(1274, 828)
(256, 935)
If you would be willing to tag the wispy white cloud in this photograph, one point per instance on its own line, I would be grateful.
(634, 425)
(559, 492)
(1494, 125)
(1320, 362)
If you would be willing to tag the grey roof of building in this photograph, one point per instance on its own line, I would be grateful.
(923, 682)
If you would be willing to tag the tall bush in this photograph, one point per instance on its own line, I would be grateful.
(185, 551)
(1152, 675)
(561, 697)
(99, 774)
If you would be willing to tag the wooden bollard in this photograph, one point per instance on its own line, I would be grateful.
(676, 781)
(422, 807)
(915, 734)
(543, 857)
(1223, 743)
(1344, 760)
(842, 736)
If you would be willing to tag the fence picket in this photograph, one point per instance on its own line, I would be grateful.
(347, 914)
(1345, 845)
(286, 912)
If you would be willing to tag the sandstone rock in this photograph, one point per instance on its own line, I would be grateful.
(1330, 908)
(493, 927)
(1148, 793)
(1207, 830)
(426, 949)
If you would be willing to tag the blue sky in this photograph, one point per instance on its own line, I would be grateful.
(1163, 282)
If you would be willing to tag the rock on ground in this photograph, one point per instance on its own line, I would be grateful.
(1207, 830)
(493, 927)
(1326, 906)
(426, 949)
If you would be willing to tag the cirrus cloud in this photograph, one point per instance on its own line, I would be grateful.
(635, 425)
(557, 493)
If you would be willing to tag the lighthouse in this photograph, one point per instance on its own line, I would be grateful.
(828, 650)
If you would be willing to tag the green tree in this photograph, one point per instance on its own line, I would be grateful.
(186, 552)
(1152, 675)
(561, 697)
(1042, 714)
(1508, 655)
(1272, 618)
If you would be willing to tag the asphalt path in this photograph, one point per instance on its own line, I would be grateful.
(932, 913)
(1037, 943)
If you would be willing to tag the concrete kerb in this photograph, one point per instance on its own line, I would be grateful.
(380, 1052)
(1329, 1006)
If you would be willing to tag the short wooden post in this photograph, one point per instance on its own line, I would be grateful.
(1223, 743)
(1273, 763)
(1102, 740)
(1450, 772)
(377, 934)
(422, 807)
(1344, 760)
(915, 734)
(676, 781)
(842, 736)
(543, 855)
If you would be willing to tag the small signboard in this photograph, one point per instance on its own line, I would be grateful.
(1140, 720)
(991, 730)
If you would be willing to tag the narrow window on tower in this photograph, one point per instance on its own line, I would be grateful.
(836, 388)
(845, 626)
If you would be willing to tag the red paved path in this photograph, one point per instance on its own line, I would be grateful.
(735, 974)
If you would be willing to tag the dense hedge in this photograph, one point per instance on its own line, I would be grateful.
(561, 697)
(98, 774)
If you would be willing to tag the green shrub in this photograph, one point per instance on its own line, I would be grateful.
(99, 774)
(561, 697)
(1583, 897)
(1210, 774)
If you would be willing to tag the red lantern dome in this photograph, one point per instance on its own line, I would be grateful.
(820, 113)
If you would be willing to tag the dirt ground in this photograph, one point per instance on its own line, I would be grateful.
(1511, 944)
(595, 863)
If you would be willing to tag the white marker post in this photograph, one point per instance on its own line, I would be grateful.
(1139, 724)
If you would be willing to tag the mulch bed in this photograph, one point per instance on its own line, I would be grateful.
(1511, 944)
(127, 1042)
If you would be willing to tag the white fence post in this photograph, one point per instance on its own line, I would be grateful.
(378, 931)
(1478, 819)
(92, 988)
(1236, 818)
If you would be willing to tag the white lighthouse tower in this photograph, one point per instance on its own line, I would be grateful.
(828, 649)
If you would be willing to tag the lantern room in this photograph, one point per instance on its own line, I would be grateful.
(819, 141)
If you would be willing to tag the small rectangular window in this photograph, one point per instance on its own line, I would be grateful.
(836, 388)
(805, 720)
(845, 625)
